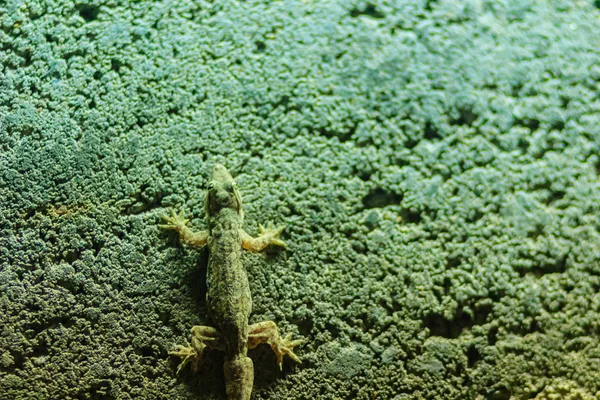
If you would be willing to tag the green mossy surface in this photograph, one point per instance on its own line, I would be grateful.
(435, 164)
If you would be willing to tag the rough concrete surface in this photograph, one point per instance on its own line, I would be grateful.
(436, 165)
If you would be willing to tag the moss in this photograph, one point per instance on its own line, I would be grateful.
(435, 166)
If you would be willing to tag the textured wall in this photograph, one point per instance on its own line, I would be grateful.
(435, 164)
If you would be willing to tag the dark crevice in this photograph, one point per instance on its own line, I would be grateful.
(359, 247)
(523, 145)
(364, 175)
(89, 12)
(536, 232)
(26, 54)
(71, 256)
(497, 294)
(556, 195)
(285, 103)
(207, 379)
(260, 46)
(525, 328)
(447, 285)
(410, 216)
(334, 330)
(429, 5)
(559, 266)
(516, 89)
(501, 393)
(115, 65)
(558, 125)
(547, 194)
(195, 279)
(367, 322)
(74, 53)
(452, 262)
(342, 136)
(144, 202)
(473, 216)
(370, 11)
(473, 356)
(379, 198)
(52, 323)
(411, 142)
(532, 124)
(390, 308)
(39, 351)
(492, 336)
(438, 325)
(305, 325)
(466, 116)
(431, 132)
(265, 366)
(100, 389)
(145, 351)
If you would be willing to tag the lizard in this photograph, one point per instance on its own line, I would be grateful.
(228, 296)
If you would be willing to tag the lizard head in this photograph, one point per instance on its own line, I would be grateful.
(222, 192)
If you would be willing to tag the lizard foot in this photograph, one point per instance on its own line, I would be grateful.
(202, 337)
(175, 222)
(178, 222)
(268, 235)
(285, 347)
(267, 332)
(271, 234)
(188, 354)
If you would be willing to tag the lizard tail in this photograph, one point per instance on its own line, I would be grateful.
(239, 377)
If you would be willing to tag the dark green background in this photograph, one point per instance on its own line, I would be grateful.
(435, 164)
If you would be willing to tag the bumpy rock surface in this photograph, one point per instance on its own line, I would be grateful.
(435, 164)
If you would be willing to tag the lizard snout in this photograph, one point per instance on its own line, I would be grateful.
(220, 173)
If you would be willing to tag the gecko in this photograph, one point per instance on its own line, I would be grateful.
(228, 296)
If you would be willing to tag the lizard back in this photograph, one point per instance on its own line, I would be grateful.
(228, 297)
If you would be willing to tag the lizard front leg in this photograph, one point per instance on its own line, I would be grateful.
(178, 223)
(202, 337)
(267, 332)
(268, 236)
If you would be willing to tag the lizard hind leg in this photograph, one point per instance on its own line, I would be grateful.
(268, 332)
(202, 337)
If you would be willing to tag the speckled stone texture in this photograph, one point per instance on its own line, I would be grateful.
(436, 165)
